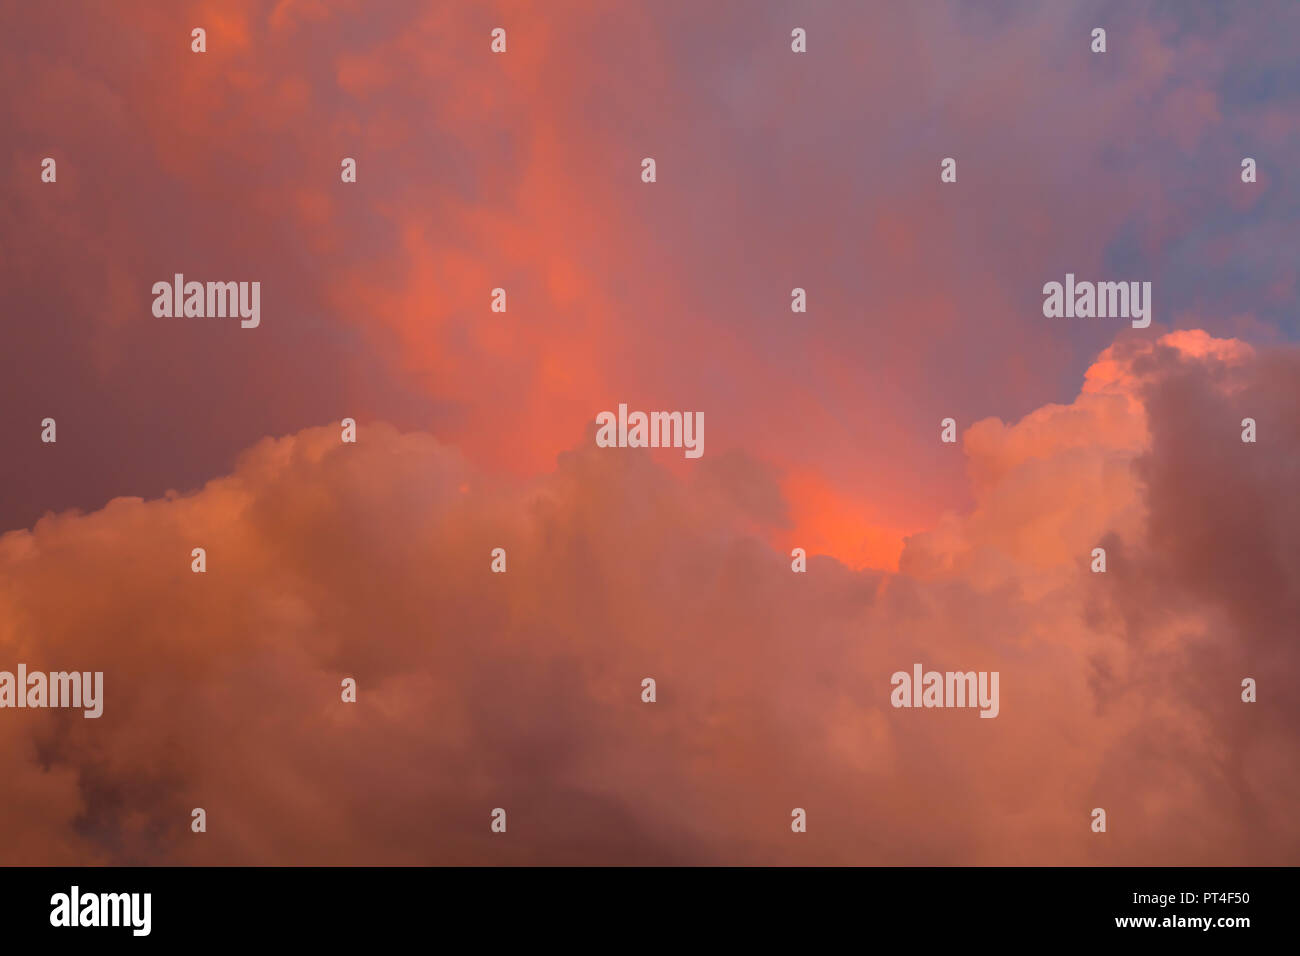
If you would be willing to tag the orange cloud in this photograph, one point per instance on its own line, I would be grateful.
(522, 690)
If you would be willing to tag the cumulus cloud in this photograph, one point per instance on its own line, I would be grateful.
(520, 171)
(522, 690)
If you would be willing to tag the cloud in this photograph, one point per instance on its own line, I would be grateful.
(520, 171)
(522, 690)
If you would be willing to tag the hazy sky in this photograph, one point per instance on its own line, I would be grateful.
(775, 170)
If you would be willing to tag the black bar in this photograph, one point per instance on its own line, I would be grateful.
(665, 907)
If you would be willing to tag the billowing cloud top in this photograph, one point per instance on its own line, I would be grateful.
(522, 690)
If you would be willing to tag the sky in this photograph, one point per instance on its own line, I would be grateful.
(476, 430)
